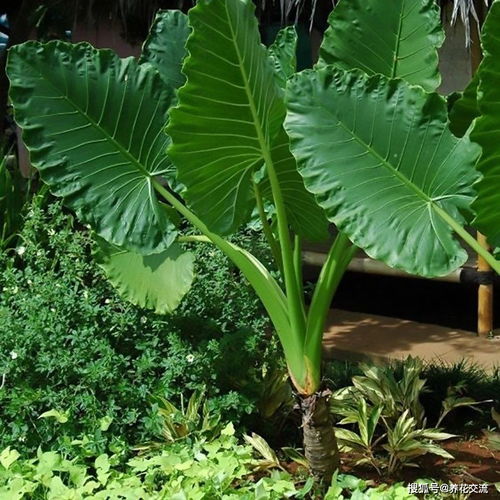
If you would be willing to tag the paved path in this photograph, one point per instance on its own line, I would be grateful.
(360, 337)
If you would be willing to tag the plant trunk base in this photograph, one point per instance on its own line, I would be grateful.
(320, 445)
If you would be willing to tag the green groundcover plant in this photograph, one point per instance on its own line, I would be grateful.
(361, 141)
(221, 467)
(67, 341)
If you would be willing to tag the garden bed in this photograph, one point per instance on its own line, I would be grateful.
(474, 463)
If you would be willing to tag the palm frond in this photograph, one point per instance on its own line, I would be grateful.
(291, 10)
(135, 16)
(465, 10)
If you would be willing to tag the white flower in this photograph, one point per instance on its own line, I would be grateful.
(189, 358)
(143, 319)
(51, 232)
(52, 310)
(20, 251)
(15, 289)
(39, 253)
(13, 354)
(30, 282)
(107, 301)
(85, 294)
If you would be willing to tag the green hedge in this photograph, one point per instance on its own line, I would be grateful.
(68, 342)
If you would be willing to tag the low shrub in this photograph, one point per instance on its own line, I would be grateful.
(67, 341)
(387, 426)
(442, 380)
(200, 469)
(471, 381)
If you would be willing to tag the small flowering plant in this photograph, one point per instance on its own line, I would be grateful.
(61, 328)
(5, 361)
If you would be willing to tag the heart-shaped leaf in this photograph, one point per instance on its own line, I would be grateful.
(381, 161)
(157, 281)
(165, 47)
(93, 124)
(283, 54)
(229, 112)
(395, 38)
(486, 131)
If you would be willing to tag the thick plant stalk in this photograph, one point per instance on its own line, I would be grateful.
(320, 445)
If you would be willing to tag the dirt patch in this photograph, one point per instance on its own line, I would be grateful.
(474, 463)
(476, 459)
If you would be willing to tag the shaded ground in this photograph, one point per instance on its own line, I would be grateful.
(356, 336)
(474, 463)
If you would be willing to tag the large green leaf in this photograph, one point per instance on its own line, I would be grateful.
(93, 124)
(228, 117)
(487, 130)
(230, 111)
(306, 217)
(157, 281)
(465, 109)
(395, 38)
(165, 50)
(165, 47)
(283, 54)
(381, 161)
(304, 214)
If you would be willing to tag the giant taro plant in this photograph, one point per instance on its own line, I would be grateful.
(361, 141)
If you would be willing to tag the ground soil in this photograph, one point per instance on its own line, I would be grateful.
(474, 463)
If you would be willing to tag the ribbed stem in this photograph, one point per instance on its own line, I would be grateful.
(469, 239)
(320, 445)
(268, 233)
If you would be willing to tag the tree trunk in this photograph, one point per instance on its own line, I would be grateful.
(320, 445)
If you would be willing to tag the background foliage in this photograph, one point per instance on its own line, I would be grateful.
(69, 343)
